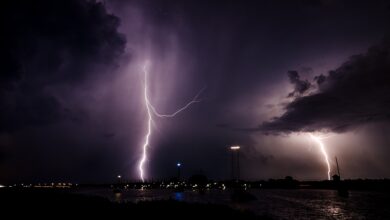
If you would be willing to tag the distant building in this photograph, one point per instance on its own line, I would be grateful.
(336, 178)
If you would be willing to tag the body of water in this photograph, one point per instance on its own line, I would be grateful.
(279, 204)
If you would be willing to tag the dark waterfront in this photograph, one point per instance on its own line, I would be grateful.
(276, 203)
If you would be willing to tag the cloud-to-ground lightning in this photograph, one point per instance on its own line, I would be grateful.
(149, 129)
(318, 140)
(151, 110)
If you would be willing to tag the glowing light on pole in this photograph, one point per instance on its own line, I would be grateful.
(234, 147)
(235, 162)
(318, 140)
(151, 110)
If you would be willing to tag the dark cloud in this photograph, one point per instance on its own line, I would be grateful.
(34, 108)
(356, 93)
(300, 86)
(47, 44)
(320, 79)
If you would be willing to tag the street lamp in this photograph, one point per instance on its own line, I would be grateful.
(235, 162)
(235, 147)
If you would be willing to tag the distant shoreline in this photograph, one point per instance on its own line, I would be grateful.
(287, 183)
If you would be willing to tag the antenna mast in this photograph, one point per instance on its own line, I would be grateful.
(338, 170)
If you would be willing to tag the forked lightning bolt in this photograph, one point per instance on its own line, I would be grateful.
(318, 140)
(151, 110)
(194, 100)
(149, 127)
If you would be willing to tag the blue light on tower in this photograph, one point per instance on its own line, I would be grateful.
(178, 165)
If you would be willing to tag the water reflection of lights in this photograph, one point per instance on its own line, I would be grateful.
(179, 196)
(118, 197)
(337, 212)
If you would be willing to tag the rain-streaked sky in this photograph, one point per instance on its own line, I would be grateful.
(72, 105)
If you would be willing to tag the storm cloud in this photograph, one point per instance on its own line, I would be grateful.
(300, 86)
(354, 94)
(50, 44)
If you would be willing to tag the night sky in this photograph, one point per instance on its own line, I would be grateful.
(71, 88)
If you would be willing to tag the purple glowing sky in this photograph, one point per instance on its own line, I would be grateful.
(71, 95)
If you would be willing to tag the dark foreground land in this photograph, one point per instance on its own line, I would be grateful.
(53, 203)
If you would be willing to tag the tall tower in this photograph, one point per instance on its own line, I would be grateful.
(235, 166)
(178, 165)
